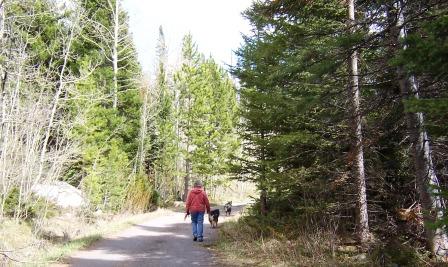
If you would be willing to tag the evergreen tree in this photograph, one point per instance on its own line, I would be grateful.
(166, 142)
(109, 130)
(186, 81)
(207, 115)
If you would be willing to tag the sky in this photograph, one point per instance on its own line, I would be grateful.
(216, 27)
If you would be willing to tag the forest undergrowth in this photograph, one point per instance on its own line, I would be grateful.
(301, 240)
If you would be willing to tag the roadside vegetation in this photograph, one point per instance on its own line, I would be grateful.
(343, 107)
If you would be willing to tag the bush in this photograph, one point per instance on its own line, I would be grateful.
(279, 242)
(106, 184)
(27, 209)
(141, 195)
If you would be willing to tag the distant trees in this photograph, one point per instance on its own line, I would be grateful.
(207, 115)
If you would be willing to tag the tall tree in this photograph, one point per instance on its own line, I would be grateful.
(109, 132)
(207, 115)
(166, 141)
(355, 112)
(185, 81)
(110, 33)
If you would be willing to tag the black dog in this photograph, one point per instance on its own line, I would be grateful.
(228, 208)
(213, 217)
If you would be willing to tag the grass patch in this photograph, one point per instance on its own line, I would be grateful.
(260, 241)
(59, 253)
(250, 241)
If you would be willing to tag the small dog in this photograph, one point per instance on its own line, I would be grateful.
(228, 208)
(213, 217)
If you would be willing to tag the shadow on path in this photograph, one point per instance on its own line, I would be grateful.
(163, 241)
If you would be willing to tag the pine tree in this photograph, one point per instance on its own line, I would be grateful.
(109, 130)
(207, 116)
(185, 80)
(166, 141)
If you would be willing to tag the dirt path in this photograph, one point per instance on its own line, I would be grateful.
(162, 241)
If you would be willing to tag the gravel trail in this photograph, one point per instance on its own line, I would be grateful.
(162, 241)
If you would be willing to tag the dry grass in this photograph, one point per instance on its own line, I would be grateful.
(242, 244)
(235, 191)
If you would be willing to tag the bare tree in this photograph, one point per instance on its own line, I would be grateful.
(114, 40)
(74, 30)
(148, 115)
(35, 146)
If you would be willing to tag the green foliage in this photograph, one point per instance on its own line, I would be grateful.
(207, 114)
(293, 69)
(165, 144)
(425, 55)
(28, 209)
(397, 253)
(427, 50)
(292, 130)
(107, 178)
(108, 137)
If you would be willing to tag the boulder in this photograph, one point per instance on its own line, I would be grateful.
(60, 193)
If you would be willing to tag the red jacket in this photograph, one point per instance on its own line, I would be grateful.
(197, 201)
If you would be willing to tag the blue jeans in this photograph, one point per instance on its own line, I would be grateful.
(197, 223)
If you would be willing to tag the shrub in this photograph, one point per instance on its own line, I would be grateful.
(30, 208)
(141, 195)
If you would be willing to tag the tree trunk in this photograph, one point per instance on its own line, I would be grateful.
(60, 88)
(3, 70)
(143, 130)
(2, 19)
(426, 178)
(115, 52)
(354, 99)
(263, 202)
(186, 179)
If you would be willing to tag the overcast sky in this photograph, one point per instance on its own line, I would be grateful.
(216, 26)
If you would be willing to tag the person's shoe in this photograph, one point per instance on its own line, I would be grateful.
(200, 239)
(195, 238)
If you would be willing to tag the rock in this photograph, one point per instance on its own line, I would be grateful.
(60, 193)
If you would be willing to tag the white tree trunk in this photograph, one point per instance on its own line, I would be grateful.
(354, 99)
(426, 178)
(60, 88)
(116, 26)
(143, 129)
(2, 19)
(3, 71)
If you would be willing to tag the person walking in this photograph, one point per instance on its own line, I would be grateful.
(197, 204)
